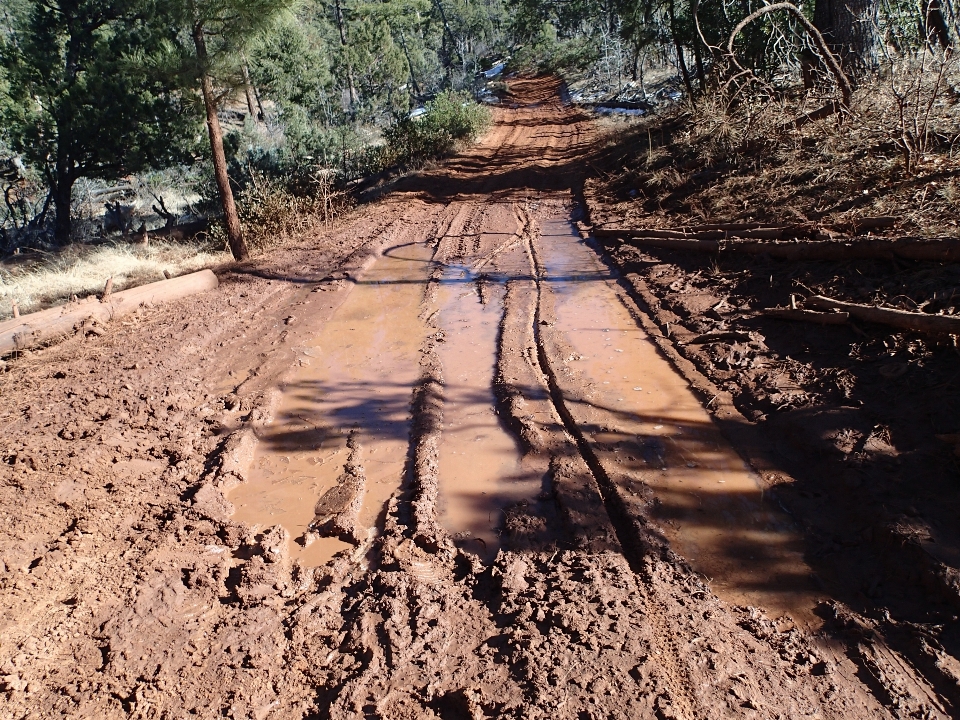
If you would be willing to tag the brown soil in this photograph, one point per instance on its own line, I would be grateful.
(438, 462)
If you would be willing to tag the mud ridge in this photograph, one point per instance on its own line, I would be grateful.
(427, 410)
(338, 510)
(636, 544)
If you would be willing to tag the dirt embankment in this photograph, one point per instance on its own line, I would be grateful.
(429, 464)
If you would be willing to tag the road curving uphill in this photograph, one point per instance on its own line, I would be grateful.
(429, 464)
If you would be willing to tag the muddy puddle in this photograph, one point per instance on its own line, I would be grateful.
(356, 376)
(480, 464)
(642, 418)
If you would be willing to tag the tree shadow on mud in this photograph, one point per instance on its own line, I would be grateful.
(862, 450)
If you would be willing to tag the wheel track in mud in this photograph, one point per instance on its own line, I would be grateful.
(677, 679)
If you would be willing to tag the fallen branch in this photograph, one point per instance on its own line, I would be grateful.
(821, 113)
(917, 322)
(720, 336)
(45, 326)
(762, 231)
(849, 248)
(843, 82)
(823, 318)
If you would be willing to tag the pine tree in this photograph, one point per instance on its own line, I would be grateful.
(86, 95)
(220, 30)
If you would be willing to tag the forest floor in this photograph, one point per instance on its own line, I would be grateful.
(443, 460)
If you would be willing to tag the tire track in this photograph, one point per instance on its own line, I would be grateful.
(678, 702)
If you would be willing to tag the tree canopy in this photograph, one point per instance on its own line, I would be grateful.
(87, 94)
(106, 88)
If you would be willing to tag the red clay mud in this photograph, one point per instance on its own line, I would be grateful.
(381, 474)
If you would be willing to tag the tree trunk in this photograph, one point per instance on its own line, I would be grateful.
(681, 61)
(850, 29)
(448, 34)
(61, 188)
(413, 78)
(238, 245)
(62, 195)
(936, 25)
(64, 177)
(248, 91)
(701, 72)
(351, 82)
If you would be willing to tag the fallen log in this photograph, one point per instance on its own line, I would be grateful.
(703, 246)
(903, 319)
(720, 336)
(759, 232)
(751, 230)
(855, 248)
(42, 327)
(823, 318)
(870, 223)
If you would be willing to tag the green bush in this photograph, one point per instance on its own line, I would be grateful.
(547, 53)
(451, 117)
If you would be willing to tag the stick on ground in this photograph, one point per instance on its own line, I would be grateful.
(917, 322)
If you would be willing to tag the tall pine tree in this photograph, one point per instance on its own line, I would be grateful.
(220, 30)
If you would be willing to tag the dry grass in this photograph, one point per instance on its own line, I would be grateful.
(83, 270)
(731, 159)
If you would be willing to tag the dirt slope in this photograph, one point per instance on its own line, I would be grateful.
(429, 464)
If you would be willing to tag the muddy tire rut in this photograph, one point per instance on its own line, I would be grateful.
(428, 464)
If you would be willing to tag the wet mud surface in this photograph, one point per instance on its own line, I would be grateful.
(436, 462)
(648, 429)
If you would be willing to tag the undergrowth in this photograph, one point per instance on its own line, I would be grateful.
(278, 201)
(450, 118)
(273, 210)
(740, 157)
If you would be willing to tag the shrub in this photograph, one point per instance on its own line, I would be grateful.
(272, 211)
(451, 117)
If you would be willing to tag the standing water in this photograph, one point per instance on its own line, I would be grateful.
(480, 470)
(646, 421)
(356, 377)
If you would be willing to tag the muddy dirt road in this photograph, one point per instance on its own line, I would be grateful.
(427, 465)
